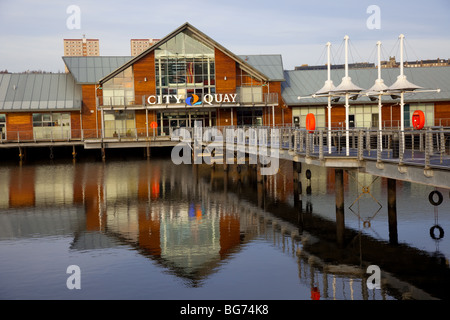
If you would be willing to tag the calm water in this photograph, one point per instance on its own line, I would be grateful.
(141, 229)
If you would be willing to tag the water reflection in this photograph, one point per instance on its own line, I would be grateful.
(193, 221)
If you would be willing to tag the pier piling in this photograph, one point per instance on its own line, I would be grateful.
(392, 210)
(340, 221)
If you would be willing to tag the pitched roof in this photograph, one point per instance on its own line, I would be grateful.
(306, 82)
(89, 70)
(269, 64)
(39, 92)
(199, 36)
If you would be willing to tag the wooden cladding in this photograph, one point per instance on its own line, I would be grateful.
(225, 73)
(90, 115)
(144, 77)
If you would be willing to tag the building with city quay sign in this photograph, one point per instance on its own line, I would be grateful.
(187, 77)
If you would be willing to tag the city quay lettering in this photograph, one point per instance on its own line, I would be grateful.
(209, 99)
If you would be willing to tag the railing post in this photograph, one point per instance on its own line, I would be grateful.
(442, 136)
(368, 141)
(296, 138)
(301, 141)
(428, 150)
(307, 144)
(321, 144)
(291, 138)
(401, 146)
(379, 144)
(360, 144)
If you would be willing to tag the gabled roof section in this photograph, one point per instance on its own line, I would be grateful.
(200, 36)
(89, 70)
(39, 92)
(269, 64)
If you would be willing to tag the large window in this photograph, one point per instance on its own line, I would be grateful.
(299, 114)
(120, 123)
(53, 126)
(119, 91)
(184, 66)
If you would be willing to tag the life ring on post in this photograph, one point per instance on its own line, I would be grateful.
(441, 232)
(431, 198)
(310, 122)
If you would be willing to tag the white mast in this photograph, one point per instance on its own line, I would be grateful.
(326, 91)
(402, 85)
(402, 98)
(329, 97)
(347, 87)
(347, 138)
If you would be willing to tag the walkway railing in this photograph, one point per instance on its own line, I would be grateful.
(427, 147)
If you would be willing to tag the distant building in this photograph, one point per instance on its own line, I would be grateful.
(391, 63)
(140, 45)
(358, 65)
(81, 47)
(428, 63)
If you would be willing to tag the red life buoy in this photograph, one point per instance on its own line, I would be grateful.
(418, 119)
(315, 293)
(310, 122)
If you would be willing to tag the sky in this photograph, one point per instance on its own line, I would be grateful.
(32, 32)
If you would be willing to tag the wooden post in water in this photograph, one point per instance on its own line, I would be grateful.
(297, 169)
(259, 176)
(392, 210)
(340, 217)
(21, 154)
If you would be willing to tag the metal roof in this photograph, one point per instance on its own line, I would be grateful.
(39, 92)
(89, 70)
(306, 82)
(269, 64)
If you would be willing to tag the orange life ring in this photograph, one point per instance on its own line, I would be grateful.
(418, 119)
(310, 122)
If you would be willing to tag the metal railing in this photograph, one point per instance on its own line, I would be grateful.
(426, 147)
(429, 146)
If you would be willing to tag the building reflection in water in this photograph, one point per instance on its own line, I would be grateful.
(188, 219)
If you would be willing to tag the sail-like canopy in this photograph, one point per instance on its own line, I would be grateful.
(347, 86)
(403, 85)
(378, 87)
(327, 88)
